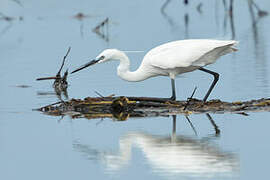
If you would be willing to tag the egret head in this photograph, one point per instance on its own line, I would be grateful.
(106, 55)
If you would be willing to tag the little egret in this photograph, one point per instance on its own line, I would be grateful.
(170, 59)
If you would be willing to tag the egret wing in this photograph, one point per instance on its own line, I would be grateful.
(186, 53)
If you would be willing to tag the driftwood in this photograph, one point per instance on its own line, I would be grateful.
(123, 107)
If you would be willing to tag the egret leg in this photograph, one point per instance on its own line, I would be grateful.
(173, 97)
(216, 77)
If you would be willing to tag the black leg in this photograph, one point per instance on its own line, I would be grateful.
(173, 97)
(216, 77)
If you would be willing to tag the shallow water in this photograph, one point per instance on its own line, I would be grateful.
(37, 146)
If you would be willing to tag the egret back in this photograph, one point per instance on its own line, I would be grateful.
(185, 53)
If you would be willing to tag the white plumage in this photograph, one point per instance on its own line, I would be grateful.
(170, 59)
(185, 53)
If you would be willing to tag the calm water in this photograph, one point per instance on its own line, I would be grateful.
(37, 146)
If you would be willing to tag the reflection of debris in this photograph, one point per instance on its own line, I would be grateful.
(261, 13)
(81, 16)
(45, 93)
(60, 83)
(22, 86)
(186, 2)
(3, 31)
(6, 18)
(18, 2)
(199, 7)
(99, 29)
(164, 5)
(164, 14)
(9, 18)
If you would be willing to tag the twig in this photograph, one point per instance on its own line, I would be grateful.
(188, 100)
(48, 78)
(63, 62)
(100, 95)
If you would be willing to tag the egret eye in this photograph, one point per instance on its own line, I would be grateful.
(101, 58)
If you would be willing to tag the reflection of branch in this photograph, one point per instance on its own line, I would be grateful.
(193, 128)
(213, 123)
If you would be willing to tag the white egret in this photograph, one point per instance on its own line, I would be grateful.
(170, 59)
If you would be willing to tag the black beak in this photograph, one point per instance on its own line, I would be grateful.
(86, 65)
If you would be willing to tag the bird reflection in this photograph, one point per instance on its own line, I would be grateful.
(167, 155)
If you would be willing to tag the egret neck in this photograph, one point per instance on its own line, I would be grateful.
(123, 70)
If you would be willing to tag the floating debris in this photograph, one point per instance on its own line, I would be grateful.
(123, 107)
(80, 16)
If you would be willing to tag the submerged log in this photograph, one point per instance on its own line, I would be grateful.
(123, 107)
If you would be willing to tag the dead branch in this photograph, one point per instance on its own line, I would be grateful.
(63, 62)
